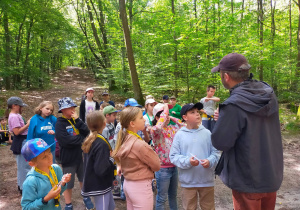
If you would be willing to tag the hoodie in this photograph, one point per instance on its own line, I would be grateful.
(196, 142)
(137, 159)
(37, 186)
(39, 128)
(251, 142)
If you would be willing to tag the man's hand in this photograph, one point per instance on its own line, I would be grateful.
(216, 114)
(194, 162)
(205, 163)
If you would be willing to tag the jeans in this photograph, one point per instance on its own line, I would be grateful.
(209, 124)
(167, 181)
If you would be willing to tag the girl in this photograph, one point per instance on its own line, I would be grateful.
(42, 125)
(19, 128)
(136, 160)
(162, 134)
(88, 104)
(99, 166)
(149, 105)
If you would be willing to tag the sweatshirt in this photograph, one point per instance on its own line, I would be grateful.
(99, 169)
(138, 160)
(82, 111)
(198, 143)
(39, 127)
(69, 142)
(36, 186)
(176, 109)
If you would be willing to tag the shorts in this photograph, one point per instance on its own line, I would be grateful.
(78, 169)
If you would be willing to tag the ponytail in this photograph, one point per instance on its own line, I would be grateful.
(7, 111)
(121, 137)
(86, 146)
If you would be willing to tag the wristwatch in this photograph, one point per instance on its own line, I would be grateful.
(44, 202)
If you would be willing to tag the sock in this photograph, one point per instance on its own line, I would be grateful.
(69, 204)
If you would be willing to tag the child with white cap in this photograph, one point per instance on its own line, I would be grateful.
(88, 104)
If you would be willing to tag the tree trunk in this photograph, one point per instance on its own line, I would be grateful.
(26, 69)
(295, 82)
(273, 69)
(175, 56)
(134, 76)
(7, 52)
(261, 38)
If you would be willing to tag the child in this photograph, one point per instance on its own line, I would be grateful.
(99, 166)
(42, 125)
(147, 97)
(149, 105)
(4, 133)
(45, 182)
(209, 105)
(70, 131)
(191, 146)
(106, 98)
(110, 114)
(175, 111)
(162, 134)
(136, 160)
(17, 125)
(103, 105)
(165, 99)
(88, 105)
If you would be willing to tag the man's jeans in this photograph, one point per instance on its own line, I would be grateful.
(167, 181)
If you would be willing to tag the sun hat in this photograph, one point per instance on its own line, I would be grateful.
(65, 103)
(190, 106)
(89, 89)
(15, 100)
(232, 62)
(109, 109)
(131, 102)
(33, 148)
(150, 101)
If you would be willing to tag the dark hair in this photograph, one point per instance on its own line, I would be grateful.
(6, 114)
(154, 121)
(210, 86)
(237, 76)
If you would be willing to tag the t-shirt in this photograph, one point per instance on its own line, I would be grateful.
(109, 133)
(89, 107)
(148, 119)
(209, 106)
(16, 121)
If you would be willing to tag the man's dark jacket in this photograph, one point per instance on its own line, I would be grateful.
(248, 131)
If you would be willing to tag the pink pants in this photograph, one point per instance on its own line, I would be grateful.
(139, 194)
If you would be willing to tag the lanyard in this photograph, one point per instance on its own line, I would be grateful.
(101, 137)
(75, 129)
(149, 119)
(4, 128)
(53, 182)
(133, 133)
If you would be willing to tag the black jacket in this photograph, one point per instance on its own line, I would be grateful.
(69, 142)
(82, 109)
(99, 170)
(248, 131)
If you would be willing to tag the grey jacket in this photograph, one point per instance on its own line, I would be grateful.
(248, 131)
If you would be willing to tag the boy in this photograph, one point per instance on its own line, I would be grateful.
(4, 133)
(70, 133)
(192, 152)
(106, 98)
(110, 114)
(209, 105)
(45, 182)
(165, 99)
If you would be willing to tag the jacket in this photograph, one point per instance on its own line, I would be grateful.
(69, 142)
(198, 143)
(176, 109)
(99, 170)
(39, 127)
(138, 160)
(36, 186)
(82, 109)
(252, 145)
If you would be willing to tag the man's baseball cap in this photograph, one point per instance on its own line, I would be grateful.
(15, 101)
(89, 89)
(165, 97)
(190, 106)
(232, 62)
(131, 102)
(33, 148)
(65, 103)
(109, 109)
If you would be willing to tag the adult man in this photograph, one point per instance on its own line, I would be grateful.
(248, 133)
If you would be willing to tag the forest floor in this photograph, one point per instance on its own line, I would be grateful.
(72, 82)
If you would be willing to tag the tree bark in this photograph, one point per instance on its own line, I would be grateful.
(175, 55)
(273, 70)
(261, 38)
(134, 76)
(7, 51)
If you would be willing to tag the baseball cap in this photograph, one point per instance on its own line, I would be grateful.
(65, 103)
(190, 106)
(89, 89)
(159, 107)
(165, 97)
(232, 62)
(173, 97)
(33, 148)
(15, 100)
(149, 96)
(109, 109)
(150, 101)
(105, 93)
(131, 102)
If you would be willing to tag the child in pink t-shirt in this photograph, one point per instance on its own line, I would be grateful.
(162, 134)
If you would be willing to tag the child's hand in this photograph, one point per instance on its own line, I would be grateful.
(65, 179)
(173, 112)
(194, 162)
(119, 170)
(74, 115)
(51, 132)
(207, 99)
(205, 163)
(52, 193)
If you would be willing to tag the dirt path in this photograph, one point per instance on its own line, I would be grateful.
(73, 82)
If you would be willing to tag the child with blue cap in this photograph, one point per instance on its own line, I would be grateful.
(45, 181)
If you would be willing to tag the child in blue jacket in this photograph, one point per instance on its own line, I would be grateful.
(192, 152)
(45, 182)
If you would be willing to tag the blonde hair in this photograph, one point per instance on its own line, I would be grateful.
(95, 121)
(127, 115)
(37, 110)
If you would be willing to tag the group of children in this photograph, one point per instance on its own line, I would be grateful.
(151, 150)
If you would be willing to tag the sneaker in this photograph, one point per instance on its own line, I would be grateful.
(88, 203)
(69, 207)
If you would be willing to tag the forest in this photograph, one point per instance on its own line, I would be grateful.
(150, 46)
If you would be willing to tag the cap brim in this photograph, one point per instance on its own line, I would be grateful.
(215, 69)
(198, 105)
(24, 104)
